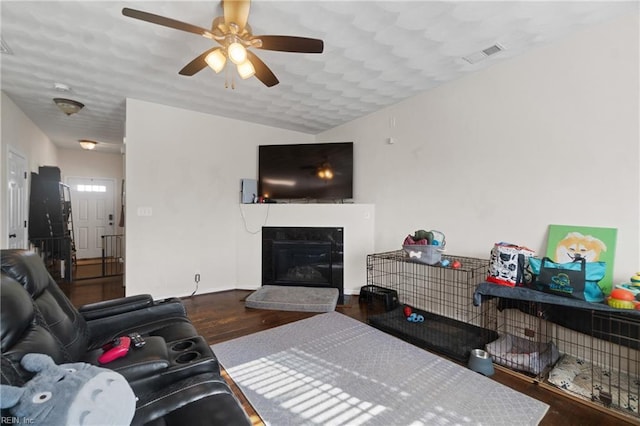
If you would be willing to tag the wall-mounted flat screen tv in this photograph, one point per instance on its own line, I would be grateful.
(318, 171)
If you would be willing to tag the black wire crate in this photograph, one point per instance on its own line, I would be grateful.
(591, 354)
(441, 297)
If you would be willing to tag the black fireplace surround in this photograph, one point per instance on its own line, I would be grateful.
(303, 256)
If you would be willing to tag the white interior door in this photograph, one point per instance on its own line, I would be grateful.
(92, 210)
(16, 200)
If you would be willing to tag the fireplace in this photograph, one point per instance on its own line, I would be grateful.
(303, 256)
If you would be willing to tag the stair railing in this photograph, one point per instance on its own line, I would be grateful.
(112, 255)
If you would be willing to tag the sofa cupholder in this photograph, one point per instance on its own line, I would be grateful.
(187, 357)
(183, 346)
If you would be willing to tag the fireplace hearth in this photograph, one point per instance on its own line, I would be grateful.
(303, 256)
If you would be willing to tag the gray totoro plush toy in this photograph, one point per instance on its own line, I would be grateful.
(75, 394)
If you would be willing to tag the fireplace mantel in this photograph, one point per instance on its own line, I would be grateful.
(356, 219)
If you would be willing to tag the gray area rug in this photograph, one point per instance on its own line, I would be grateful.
(293, 298)
(333, 370)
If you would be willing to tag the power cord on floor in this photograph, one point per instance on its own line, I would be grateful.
(197, 280)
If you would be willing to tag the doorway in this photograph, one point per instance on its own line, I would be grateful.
(16, 200)
(93, 214)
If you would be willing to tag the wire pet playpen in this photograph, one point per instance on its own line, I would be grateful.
(589, 351)
(442, 296)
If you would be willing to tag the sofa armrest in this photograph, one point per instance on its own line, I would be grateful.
(139, 363)
(168, 313)
(204, 399)
(116, 306)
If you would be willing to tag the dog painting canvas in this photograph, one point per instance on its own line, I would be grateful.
(567, 243)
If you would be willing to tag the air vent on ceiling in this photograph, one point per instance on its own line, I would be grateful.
(483, 54)
(492, 50)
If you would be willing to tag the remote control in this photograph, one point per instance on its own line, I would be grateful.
(117, 351)
(137, 340)
(111, 344)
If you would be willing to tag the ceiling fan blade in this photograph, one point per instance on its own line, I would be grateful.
(290, 44)
(197, 65)
(166, 22)
(263, 73)
(237, 12)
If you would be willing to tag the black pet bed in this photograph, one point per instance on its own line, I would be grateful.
(440, 334)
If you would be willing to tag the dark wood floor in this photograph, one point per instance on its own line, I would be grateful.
(222, 316)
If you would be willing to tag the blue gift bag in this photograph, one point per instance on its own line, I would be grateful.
(577, 279)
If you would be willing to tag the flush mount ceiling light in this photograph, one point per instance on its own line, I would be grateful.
(68, 106)
(88, 144)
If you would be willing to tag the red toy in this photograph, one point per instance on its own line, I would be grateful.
(117, 349)
(621, 299)
(456, 264)
(407, 311)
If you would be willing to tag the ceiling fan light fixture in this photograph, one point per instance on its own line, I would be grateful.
(216, 60)
(237, 53)
(234, 34)
(68, 106)
(325, 172)
(88, 144)
(246, 70)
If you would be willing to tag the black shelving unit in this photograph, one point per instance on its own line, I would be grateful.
(51, 221)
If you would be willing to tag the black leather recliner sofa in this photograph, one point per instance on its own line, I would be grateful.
(175, 375)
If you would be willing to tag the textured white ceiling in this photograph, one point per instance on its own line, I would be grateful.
(376, 54)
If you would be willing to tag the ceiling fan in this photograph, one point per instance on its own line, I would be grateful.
(235, 37)
(323, 170)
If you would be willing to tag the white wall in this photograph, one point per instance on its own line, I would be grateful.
(548, 138)
(82, 163)
(19, 133)
(186, 167)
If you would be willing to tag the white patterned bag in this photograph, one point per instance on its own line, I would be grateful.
(509, 265)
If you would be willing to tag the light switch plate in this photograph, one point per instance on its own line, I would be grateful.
(145, 211)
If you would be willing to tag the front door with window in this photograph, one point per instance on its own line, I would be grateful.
(92, 210)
